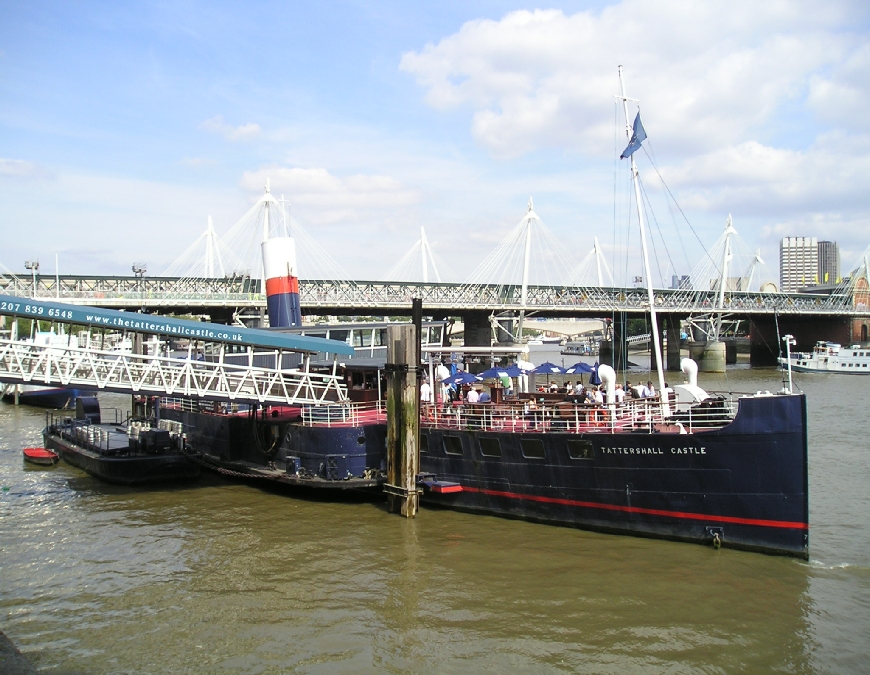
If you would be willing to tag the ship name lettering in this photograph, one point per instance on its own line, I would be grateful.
(689, 451)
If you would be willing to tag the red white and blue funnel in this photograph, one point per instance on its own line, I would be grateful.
(282, 285)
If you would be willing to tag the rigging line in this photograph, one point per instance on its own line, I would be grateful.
(613, 259)
(652, 240)
(629, 197)
(658, 228)
(662, 179)
(681, 239)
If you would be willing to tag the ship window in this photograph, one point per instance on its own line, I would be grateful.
(580, 449)
(340, 335)
(424, 443)
(533, 448)
(490, 447)
(453, 445)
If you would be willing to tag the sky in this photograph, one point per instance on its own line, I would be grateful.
(123, 126)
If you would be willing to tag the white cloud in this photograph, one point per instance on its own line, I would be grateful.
(326, 198)
(18, 168)
(706, 72)
(243, 132)
(829, 176)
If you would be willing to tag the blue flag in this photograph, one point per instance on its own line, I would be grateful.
(638, 137)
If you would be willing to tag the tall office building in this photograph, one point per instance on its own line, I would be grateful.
(798, 263)
(829, 262)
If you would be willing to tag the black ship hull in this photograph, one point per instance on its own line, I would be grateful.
(742, 486)
(281, 450)
(132, 470)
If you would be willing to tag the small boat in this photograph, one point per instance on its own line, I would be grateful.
(40, 456)
(126, 451)
(830, 357)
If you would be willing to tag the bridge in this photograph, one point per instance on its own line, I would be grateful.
(221, 297)
(216, 362)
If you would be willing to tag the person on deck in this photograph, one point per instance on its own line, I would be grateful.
(425, 392)
(473, 396)
(619, 394)
(484, 397)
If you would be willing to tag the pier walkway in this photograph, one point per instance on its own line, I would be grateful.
(125, 352)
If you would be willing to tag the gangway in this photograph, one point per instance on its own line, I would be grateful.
(87, 361)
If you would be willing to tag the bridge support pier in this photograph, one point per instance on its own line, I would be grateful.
(672, 361)
(764, 347)
(478, 332)
(614, 352)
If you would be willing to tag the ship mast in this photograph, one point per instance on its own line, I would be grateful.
(657, 348)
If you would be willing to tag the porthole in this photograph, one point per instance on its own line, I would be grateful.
(580, 449)
(490, 447)
(453, 445)
(533, 448)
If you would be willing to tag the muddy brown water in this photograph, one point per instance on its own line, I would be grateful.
(220, 577)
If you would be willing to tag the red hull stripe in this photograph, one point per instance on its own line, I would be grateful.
(636, 509)
(280, 285)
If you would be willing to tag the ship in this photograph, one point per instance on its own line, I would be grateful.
(684, 464)
(829, 357)
(126, 450)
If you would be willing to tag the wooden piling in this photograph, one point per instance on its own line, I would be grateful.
(403, 420)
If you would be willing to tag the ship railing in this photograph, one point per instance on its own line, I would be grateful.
(197, 405)
(346, 413)
(632, 415)
(81, 432)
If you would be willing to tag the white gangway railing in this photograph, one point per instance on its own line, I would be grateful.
(23, 362)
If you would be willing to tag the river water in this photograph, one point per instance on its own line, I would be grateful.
(219, 577)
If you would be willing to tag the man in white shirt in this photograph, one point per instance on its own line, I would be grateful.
(473, 396)
(619, 394)
(442, 372)
(425, 392)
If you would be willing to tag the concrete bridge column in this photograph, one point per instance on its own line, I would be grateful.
(672, 359)
(614, 352)
(764, 347)
(478, 332)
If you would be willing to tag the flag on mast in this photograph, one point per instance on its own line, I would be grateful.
(638, 137)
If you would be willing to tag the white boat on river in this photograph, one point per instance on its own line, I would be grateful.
(830, 357)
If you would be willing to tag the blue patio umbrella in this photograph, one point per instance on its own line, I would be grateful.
(461, 377)
(593, 378)
(548, 369)
(494, 374)
(578, 368)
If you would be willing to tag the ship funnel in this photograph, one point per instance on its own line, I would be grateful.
(608, 378)
(282, 284)
(690, 368)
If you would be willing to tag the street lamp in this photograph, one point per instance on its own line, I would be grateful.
(139, 269)
(33, 266)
